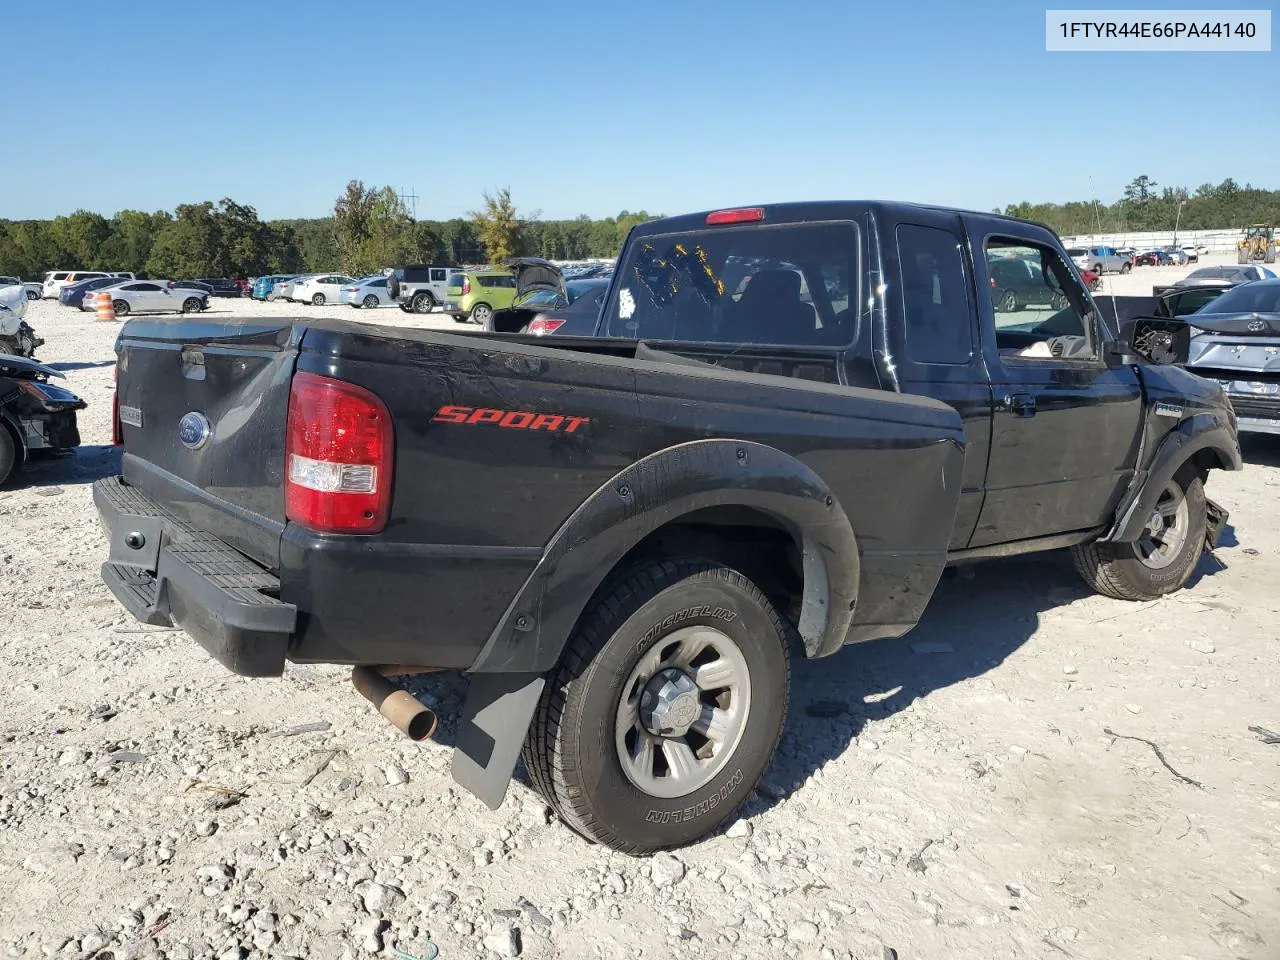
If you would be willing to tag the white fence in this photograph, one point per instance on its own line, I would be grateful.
(1218, 241)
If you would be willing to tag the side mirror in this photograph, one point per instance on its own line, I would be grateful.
(1156, 340)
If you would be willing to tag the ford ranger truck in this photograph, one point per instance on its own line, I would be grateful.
(789, 420)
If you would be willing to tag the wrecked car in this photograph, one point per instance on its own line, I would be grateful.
(35, 415)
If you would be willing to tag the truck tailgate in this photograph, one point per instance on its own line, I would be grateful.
(203, 407)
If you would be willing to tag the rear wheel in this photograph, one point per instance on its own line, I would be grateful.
(423, 302)
(318, 300)
(370, 301)
(1162, 558)
(1007, 302)
(666, 707)
(32, 295)
(8, 454)
(121, 307)
(482, 314)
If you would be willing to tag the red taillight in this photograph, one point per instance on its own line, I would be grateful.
(117, 434)
(338, 457)
(544, 325)
(466, 287)
(993, 283)
(737, 215)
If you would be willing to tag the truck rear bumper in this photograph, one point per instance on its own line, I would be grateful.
(168, 573)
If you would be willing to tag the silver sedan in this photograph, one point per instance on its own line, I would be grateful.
(367, 292)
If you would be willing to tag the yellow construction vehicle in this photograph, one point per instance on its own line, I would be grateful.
(1258, 243)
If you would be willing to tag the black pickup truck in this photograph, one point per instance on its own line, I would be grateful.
(790, 420)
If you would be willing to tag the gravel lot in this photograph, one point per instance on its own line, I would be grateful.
(970, 791)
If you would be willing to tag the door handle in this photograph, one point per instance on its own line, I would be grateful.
(1021, 404)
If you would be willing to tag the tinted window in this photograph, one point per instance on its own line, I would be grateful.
(539, 298)
(497, 281)
(378, 283)
(438, 275)
(787, 284)
(146, 287)
(1260, 296)
(935, 301)
(60, 276)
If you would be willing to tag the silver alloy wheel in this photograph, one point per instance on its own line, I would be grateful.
(682, 712)
(371, 301)
(1008, 302)
(481, 314)
(318, 300)
(1166, 530)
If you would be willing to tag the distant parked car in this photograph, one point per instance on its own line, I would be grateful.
(367, 292)
(1018, 283)
(283, 289)
(263, 286)
(194, 285)
(1099, 259)
(322, 289)
(222, 286)
(155, 296)
(80, 294)
(1177, 256)
(419, 287)
(1225, 276)
(34, 289)
(1153, 258)
(1091, 279)
(544, 311)
(475, 294)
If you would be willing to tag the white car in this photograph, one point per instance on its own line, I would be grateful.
(283, 289)
(322, 289)
(55, 280)
(155, 296)
(367, 292)
(34, 290)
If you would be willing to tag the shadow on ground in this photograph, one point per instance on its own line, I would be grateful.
(980, 615)
(1261, 449)
(66, 365)
(83, 465)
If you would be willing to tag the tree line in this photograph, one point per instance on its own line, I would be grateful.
(1145, 206)
(370, 229)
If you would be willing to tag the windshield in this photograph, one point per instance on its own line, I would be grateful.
(1259, 297)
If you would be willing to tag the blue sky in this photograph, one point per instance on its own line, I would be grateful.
(595, 107)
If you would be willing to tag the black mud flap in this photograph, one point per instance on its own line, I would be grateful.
(494, 720)
(1216, 521)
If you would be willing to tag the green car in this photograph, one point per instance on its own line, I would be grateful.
(475, 294)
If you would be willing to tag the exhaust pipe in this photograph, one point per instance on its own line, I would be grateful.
(406, 712)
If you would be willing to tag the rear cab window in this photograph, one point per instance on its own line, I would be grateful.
(791, 284)
(935, 295)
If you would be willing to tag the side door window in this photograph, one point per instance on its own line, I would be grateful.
(1040, 311)
(438, 276)
(935, 301)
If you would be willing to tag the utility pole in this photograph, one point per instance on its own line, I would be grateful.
(1176, 223)
(410, 200)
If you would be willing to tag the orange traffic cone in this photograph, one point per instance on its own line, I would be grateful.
(106, 309)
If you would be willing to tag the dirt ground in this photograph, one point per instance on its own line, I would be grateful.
(982, 788)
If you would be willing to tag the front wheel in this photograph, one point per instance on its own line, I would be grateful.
(1125, 268)
(32, 295)
(1162, 558)
(665, 709)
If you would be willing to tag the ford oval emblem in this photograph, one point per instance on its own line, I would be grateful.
(194, 430)
(1256, 326)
